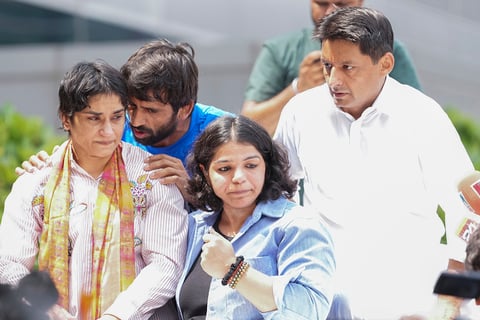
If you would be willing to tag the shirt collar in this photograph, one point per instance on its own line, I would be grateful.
(271, 208)
(380, 103)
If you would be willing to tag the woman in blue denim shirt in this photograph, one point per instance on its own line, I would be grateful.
(252, 253)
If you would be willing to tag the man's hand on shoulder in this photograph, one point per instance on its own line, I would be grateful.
(168, 170)
(35, 162)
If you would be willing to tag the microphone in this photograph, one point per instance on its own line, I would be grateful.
(469, 191)
(465, 284)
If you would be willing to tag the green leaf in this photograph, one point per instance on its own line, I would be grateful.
(21, 137)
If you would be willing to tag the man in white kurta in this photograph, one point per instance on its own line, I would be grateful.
(378, 181)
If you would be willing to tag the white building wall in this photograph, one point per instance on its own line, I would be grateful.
(442, 37)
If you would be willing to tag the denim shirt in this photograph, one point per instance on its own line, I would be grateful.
(282, 240)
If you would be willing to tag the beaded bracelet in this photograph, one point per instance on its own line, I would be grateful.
(232, 269)
(239, 274)
(235, 274)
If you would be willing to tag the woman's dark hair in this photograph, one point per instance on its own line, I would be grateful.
(86, 80)
(243, 130)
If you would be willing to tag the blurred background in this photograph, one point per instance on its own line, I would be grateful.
(41, 39)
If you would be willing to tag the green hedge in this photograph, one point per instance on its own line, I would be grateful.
(469, 130)
(21, 137)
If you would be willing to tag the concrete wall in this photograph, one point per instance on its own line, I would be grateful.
(442, 36)
(30, 75)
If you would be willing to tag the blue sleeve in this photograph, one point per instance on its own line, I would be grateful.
(304, 288)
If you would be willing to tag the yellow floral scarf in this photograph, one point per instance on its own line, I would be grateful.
(110, 269)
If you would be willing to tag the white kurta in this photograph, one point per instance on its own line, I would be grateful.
(378, 181)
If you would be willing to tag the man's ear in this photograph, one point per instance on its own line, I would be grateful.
(185, 111)
(386, 63)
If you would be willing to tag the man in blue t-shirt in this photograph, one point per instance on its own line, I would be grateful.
(201, 115)
(164, 117)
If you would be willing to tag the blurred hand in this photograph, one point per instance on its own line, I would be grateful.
(217, 254)
(310, 73)
(108, 317)
(413, 317)
(59, 313)
(446, 308)
(169, 170)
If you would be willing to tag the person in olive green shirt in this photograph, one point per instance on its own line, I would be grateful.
(290, 63)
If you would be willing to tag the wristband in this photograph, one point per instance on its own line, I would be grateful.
(231, 271)
(239, 272)
(295, 86)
